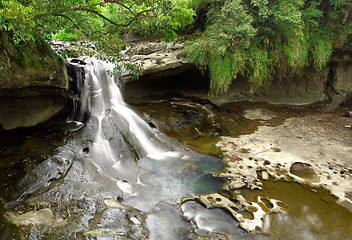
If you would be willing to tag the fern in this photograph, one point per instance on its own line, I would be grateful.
(263, 39)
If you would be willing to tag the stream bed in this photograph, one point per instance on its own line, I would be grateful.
(153, 169)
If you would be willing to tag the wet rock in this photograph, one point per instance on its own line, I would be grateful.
(348, 114)
(79, 61)
(43, 216)
(249, 214)
(258, 114)
(112, 203)
(303, 170)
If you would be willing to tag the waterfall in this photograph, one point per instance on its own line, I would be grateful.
(113, 154)
(101, 96)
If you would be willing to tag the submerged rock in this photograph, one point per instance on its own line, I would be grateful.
(303, 170)
(260, 114)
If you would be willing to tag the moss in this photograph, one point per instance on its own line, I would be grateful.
(35, 57)
(39, 65)
(36, 54)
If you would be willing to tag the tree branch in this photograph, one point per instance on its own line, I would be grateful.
(135, 17)
(100, 15)
(70, 19)
(129, 9)
(86, 8)
(76, 8)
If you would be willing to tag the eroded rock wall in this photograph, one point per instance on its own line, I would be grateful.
(33, 83)
(332, 85)
(164, 63)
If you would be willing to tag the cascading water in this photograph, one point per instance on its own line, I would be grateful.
(116, 155)
(105, 101)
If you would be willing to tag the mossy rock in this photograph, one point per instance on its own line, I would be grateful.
(33, 82)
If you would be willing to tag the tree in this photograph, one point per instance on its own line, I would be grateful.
(97, 20)
(265, 38)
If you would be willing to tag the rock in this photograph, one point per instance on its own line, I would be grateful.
(304, 89)
(112, 203)
(348, 114)
(342, 75)
(303, 170)
(157, 60)
(29, 111)
(33, 84)
(43, 217)
(265, 175)
(146, 48)
(250, 215)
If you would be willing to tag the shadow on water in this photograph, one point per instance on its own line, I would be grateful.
(312, 212)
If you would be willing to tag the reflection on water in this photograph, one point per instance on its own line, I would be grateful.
(313, 213)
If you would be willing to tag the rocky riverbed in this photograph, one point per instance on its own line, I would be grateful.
(286, 175)
(272, 151)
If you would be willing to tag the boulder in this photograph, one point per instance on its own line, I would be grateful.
(303, 170)
(157, 60)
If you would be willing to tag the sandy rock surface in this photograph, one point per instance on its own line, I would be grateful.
(313, 150)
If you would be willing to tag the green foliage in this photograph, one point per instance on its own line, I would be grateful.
(35, 54)
(97, 21)
(18, 19)
(91, 19)
(65, 35)
(258, 39)
(267, 38)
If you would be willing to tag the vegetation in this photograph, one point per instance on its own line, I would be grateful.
(36, 54)
(101, 22)
(93, 19)
(257, 39)
(261, 39)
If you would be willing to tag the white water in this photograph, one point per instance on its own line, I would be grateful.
(105, 101)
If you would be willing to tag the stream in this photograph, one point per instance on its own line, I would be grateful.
(147, 170)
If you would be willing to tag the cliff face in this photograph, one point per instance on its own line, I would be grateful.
(33, 83)
(165, 70)
(331, 85)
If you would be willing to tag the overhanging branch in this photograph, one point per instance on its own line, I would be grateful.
(87, 9)
(76, 8)
(67, 17)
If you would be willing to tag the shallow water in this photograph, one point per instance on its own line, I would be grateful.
(313, 212)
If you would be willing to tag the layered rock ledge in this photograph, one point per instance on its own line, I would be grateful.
(33, 84)
(158, 59)
(331, 86)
